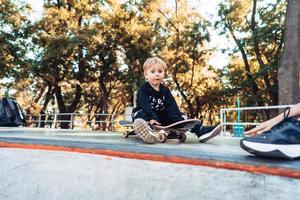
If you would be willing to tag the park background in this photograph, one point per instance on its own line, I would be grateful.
(86, 56)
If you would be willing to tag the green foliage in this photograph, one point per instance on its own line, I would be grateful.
(13, 44)
(87, 55)
(257, 30)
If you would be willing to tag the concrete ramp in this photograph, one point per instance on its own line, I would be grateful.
(47, 164)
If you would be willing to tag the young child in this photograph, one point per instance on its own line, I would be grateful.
(157, 106)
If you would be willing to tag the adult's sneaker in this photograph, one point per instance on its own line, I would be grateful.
(282, 141)
(206, 133)
(142, 129)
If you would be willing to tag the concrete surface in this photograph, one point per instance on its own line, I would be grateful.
(64, 164)
(225, 149)
(40, 174)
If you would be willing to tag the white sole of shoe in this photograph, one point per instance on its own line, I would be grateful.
(142, 130)
(210, 135)
(291, 151)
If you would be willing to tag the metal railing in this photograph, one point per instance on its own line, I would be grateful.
(102, 121)
(224, 111)
(95, 121)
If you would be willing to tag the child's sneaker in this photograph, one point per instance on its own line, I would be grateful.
(206, 133)
(144, 131)
(281, 141)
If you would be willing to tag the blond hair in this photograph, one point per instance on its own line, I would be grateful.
(152, 61)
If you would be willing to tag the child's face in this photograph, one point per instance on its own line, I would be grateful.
(155, 74)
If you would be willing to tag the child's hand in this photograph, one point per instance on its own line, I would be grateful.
(154, 122)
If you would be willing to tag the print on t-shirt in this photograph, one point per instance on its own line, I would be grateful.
(157, 104)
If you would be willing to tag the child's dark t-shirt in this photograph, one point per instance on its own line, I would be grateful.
(159, 105)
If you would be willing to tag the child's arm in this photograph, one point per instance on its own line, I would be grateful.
(154, 122)
(172, 108)
(267, 125)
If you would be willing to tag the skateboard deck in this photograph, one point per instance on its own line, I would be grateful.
(184, 124)
(125, 123)
(176, 130)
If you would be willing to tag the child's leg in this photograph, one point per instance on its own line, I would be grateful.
(139, 114)
(142, 129)
(205, 133)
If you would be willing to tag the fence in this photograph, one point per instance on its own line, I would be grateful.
(254, 120)
(108, 122)
(74, 120)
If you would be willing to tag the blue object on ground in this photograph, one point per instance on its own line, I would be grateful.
(238, 130)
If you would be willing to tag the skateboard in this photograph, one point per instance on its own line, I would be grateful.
(176, 130)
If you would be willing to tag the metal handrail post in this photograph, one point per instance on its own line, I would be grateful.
(113, 122)
(71, 121)
(39, 122)
(221, 118)
(54, 120)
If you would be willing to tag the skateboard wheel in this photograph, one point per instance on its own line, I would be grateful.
(125, 134)
(182, 137)
(161, 137)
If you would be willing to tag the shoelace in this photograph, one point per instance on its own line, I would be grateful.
(286, 114)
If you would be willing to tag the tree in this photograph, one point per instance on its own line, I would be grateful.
(140, 29)
(63, 36)
(186, 53)
(257, 30)
(289, 69)
(14, 31)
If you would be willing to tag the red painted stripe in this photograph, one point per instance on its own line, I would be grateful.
(164, 158)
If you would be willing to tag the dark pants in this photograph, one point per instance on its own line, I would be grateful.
(163, 117)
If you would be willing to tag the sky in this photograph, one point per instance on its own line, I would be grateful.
(208, 8)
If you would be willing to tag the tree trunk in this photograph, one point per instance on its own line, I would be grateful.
(46, 102)
(63, 109)
(289, 69)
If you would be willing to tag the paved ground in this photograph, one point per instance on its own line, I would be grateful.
(225, 149)
(64, 164)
